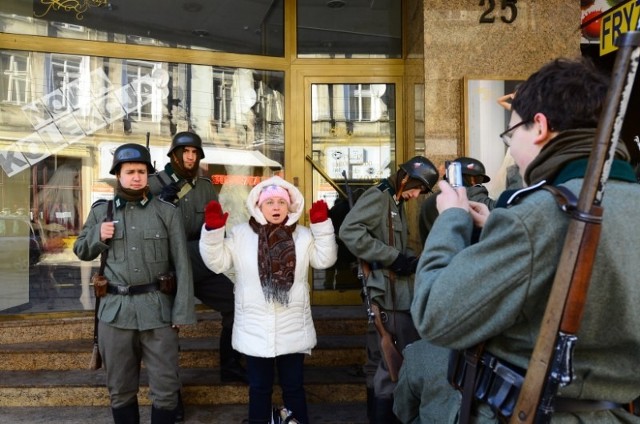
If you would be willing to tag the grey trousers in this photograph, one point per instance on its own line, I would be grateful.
(122, 353)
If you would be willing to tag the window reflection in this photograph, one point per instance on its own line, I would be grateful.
(353, 136)
(64, 115)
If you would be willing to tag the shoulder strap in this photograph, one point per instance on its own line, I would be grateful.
(568, 202)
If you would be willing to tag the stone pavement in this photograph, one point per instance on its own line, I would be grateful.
(223, 414)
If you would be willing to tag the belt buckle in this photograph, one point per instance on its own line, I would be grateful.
(123, 290)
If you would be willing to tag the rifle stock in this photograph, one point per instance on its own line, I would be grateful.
(392, 356)
(567, 298)
(96, 360)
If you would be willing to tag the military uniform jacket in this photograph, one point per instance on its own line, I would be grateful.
(496, 290)
(192, 204)
(154, 239)
(365, 232)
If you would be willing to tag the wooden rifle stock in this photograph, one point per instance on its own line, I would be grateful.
(392, 356)
(567, 298)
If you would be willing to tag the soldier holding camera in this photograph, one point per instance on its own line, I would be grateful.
(144, 305)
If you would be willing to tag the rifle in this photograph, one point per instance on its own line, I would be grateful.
(392, 356)
(550, 364)
(335, 186)
(100, 289)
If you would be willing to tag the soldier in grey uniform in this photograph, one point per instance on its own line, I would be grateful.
(474, 176)
(494, 292)
(180, 185)
(137, 321)
(375, 230)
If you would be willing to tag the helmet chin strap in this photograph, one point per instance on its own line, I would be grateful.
(398, 195)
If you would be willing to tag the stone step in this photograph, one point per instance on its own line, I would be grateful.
(194, 353)
(33, 328)
(319, 413)
(334, 384)
(43, 361)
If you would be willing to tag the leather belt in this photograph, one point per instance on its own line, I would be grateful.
(132, 290)
(583, 405)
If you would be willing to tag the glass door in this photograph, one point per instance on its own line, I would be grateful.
(352, 133)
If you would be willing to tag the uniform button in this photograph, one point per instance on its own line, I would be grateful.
(157, 235)
(136, 270)
(133, 227)
(133, 248)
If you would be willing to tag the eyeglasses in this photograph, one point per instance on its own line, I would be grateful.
(506, 136)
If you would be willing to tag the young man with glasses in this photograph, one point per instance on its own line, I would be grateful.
(495, 291)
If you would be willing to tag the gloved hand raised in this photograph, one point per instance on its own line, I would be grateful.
(319, 212)
(169, 193)
(404, 265)
(213, 216)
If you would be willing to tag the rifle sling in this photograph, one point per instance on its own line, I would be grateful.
(392, 275)
(568, 202)
(472, 359)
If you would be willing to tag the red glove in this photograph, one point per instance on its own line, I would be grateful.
(319, 212)
(213, 216)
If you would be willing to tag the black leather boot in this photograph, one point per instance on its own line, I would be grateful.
(230, 367)
(371, 403)
(129, 414)
(162, 416)
(384, 412)
(179, 411)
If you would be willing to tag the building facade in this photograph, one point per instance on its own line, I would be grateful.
(321, 93)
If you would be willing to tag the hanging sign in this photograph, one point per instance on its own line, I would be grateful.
(618, 20)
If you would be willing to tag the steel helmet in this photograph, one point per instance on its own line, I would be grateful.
(471, 166)
(131, 152)
(421, 169)
(186, 138)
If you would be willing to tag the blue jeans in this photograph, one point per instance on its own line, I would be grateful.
(261, 375)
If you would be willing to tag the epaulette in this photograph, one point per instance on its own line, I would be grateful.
(518, 195)
(166, 202)
(98, 202)
(384, 186)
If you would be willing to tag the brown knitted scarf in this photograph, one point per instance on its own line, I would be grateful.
(276, 259)
(567, 146)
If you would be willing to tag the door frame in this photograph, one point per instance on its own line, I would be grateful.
(300, 143)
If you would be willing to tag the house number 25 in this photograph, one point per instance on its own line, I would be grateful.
(508, 11)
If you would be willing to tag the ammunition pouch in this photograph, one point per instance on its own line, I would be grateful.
(497, 383)
(99, 283)
(167, 283)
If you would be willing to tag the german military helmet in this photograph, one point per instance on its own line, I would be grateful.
(421, 169)
(186, 138)
(131, 152)
(471, 166)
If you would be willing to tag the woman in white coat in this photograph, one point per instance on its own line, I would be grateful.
(271, 255)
